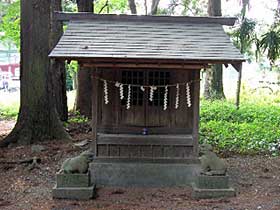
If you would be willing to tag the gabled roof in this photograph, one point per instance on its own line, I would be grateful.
(112, 36)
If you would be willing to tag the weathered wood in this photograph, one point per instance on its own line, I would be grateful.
(95, 114)
(146, 39)
(229, 21)
(149, 60)
(162, 66)
(139, 129)
(195, 103)
(126, 139)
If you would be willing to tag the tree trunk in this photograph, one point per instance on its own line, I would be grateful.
(154, 7)
(85, 5)
(83, 99)
(38, 119)
(132, 6)
(58, 67)
(213, 88)
(238, 90)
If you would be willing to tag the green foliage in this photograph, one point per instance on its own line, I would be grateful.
(251, 129)
(110, 6)
(78, 118)
(9, 112)
(244, 34)
(10, 24)
(187, 7)
(69, 6)
(270, 43)
(71, 71)
(194, 7)
(69, 81)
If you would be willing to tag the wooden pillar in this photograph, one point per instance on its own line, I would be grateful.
(196, 99)
(95, 114)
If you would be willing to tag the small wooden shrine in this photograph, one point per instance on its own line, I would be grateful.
(146, 86)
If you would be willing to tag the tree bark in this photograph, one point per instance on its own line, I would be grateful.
(58, 67)
(83, 100)
(132, 6)
(213, 88)
(38, 119)
(154, 7)
(238, 90)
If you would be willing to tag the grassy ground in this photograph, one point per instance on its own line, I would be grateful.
(9, 103)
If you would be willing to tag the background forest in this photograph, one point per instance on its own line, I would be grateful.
(242, 117)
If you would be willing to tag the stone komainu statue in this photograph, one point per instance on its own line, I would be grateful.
(78, 164)
(211, 164)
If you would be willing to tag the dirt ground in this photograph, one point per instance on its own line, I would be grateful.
(256, 179)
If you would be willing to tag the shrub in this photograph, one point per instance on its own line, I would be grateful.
(253, 128)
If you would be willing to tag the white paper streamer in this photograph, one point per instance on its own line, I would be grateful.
(188, 95)
(128, 97)
(106, 96)
(152, 89)
(165, 98)
(120, 86)
(177, 96)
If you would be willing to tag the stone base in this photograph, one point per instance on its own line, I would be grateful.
(211, 187)
(75, 193)
(72, 180)
(73, 186)
(139, 174)
(212, 182)
(198, 193)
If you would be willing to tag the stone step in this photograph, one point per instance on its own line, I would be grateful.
(76, 193)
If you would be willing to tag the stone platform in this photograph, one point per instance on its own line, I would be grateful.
(141, 174)
(207, 187)
(73, 186)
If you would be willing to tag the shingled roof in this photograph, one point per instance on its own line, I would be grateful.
(147, 38)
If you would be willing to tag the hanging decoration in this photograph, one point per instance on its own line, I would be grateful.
(128, 97)
(177, 96)
(152, 89)
(188, 95)
(165, 102)
(120, 86)
(106, 97)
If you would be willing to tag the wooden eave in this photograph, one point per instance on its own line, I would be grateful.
(64, 16)
(129, 41)
(152, 63)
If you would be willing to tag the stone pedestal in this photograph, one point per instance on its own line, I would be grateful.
(141, 174)
(73, 186)
(211, 187)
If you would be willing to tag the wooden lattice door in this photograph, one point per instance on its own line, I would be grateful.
(144, 113)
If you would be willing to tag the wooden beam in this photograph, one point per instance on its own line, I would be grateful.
(95, 114)
(150, 60)
(152, 66)
(195, 98)
(237, 66)
(63, 16)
